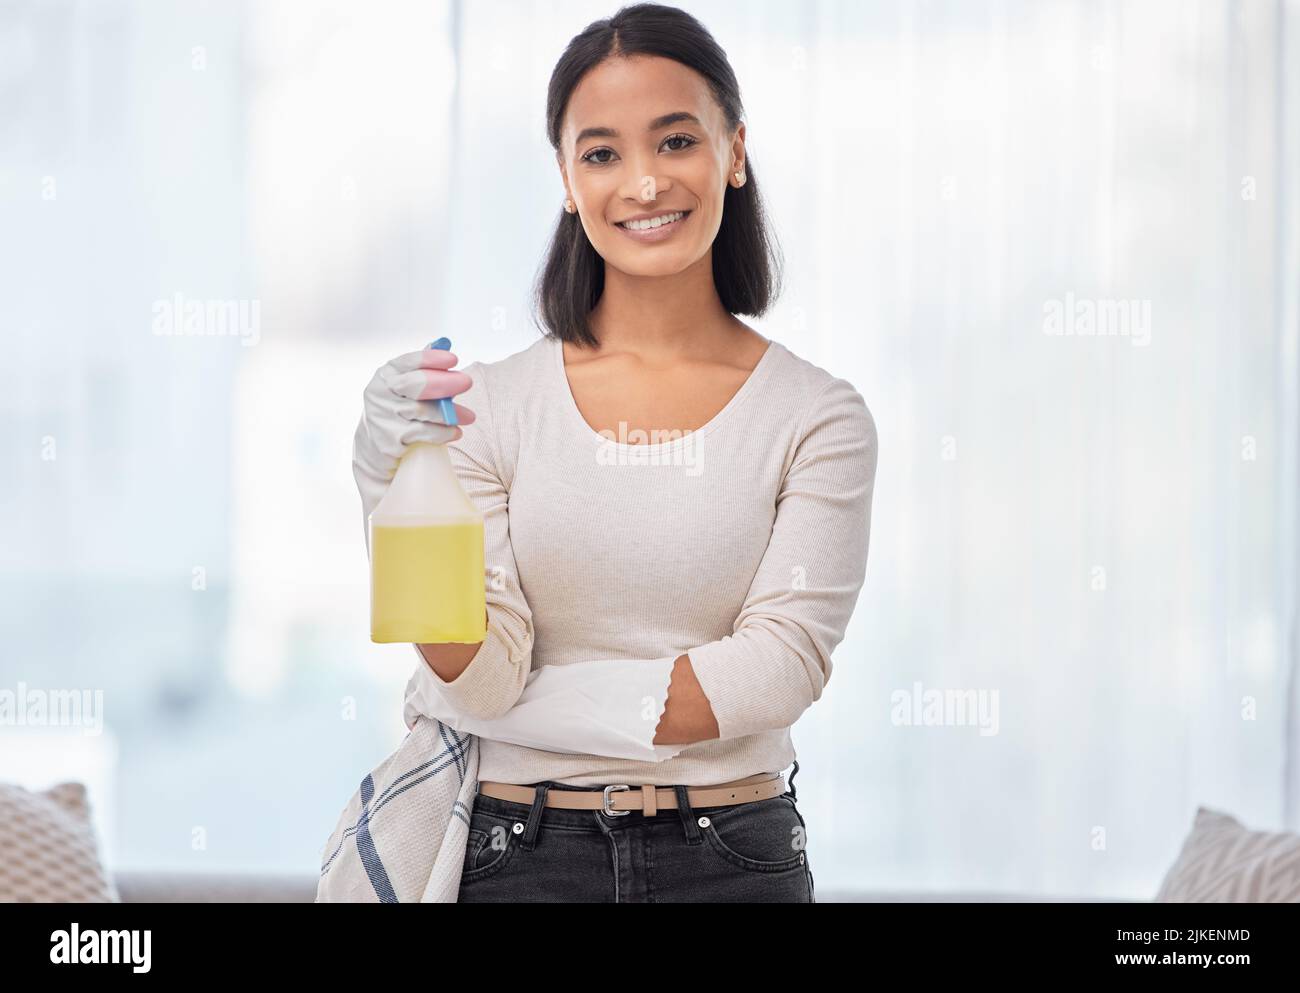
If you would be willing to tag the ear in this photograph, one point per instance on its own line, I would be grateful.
(738, 149)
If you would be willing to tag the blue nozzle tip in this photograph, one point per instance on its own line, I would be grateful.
(445, 405)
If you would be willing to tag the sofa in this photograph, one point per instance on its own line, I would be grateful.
(49, 852)
(165, 887)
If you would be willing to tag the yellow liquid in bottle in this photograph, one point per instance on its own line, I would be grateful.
(427, 584)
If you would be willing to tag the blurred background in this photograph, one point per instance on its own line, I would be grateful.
(1095, 532)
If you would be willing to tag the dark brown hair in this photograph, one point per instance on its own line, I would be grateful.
(746, 258)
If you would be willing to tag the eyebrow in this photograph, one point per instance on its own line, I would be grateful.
(659, 122)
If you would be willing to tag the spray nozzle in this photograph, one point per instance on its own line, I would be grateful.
(445, 405)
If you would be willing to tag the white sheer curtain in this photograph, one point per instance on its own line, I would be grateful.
(1093, 536)
(1098, 530)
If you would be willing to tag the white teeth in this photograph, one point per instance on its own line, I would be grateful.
(654, 222)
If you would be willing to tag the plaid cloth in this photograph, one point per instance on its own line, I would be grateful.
(401, 838)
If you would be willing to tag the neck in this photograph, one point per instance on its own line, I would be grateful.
(655, 316)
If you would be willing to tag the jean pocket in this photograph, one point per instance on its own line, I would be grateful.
(488, 850)
(762, 836)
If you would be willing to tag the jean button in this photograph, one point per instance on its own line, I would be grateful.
(703, 822)
(518, 828)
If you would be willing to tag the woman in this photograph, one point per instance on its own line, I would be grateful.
(657, 479)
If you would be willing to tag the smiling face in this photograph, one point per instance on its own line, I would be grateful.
(644, 137)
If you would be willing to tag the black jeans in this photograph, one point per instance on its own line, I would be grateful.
(746, 853)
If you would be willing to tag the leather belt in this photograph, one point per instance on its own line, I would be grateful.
(619, 799)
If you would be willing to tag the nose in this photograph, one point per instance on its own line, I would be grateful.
(640, 183)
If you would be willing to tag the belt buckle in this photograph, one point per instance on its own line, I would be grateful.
(610, 812)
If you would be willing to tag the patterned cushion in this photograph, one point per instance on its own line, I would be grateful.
(48, 852)
(1225, 862)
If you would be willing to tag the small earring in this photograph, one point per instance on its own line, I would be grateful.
(569, 206)
(740, 179)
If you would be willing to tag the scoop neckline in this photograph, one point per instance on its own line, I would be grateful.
(751, 383)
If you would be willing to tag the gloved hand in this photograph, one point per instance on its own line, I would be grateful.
(400, 408)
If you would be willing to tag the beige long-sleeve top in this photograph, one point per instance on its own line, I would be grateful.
(743, 544)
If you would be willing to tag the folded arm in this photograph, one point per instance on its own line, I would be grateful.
(606, 707)
(777, 660)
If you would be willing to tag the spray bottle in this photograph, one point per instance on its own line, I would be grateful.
(426, 551)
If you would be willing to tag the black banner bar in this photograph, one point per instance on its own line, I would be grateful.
(925, 942)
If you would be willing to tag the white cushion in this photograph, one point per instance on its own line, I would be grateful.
(48, 852)
(1224, 862)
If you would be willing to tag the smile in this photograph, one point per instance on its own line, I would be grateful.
(654, 228)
